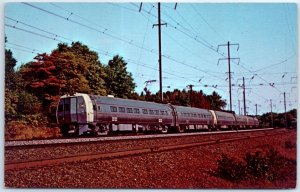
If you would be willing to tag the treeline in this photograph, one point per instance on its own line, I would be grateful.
(279, 119)
(32, 91)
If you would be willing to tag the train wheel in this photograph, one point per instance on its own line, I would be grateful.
(64, 129)
(101, 130)
(181, 128)
(164, 129)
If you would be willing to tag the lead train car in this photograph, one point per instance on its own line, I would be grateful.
(100, 115)
(82, 113)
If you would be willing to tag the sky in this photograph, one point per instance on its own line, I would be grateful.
(263, 38)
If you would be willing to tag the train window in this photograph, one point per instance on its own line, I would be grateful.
(136, 110)
(99, 108)
(129, 110)
(145, 111)
(195, 115)
(122, 109)
(162, 112)
(113, 109)
(151, 112)
(166, 113)
(156, 112)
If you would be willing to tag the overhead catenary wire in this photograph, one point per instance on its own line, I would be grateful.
(110, 54)
(212, 48)
(251, 72)
(34, 33)
(21, 46)
(208, 46)
(101, 32)
(20, 49)
(211, 27)
(100, 51)
(104, 32)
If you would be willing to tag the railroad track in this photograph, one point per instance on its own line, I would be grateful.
(115, 138)
(132, 152)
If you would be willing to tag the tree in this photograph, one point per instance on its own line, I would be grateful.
(200, 100)
(68, 69)
(13, 84)
(118, 81)
(95, 72)
(216, 103)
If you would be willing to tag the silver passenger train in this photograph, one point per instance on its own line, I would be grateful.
(81, 113)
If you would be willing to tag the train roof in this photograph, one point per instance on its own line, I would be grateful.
(129, 102)
(190, 109)
(218, 113)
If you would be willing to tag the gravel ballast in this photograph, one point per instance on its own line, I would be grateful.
(185, 168)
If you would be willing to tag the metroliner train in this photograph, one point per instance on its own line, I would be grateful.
(81, 113)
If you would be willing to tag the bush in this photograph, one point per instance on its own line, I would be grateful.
(261, 165)
(230, 169)
(289, 145)
(21, 130)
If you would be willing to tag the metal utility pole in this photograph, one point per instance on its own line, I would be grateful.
(255, 109)
(239, 108)
(244, 96)
(229, 69)
(191, 90)
(159, 52)
(159, 56)
(285, 115)
(271, 113)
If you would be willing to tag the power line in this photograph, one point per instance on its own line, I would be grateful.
(103, 52)
(55, 35)
(101, 32)
(143, 43)
(272, 65)
(21, 46)
(199, 14)
(20, 49)
(177, 29)
(34, 33)
(100, 51)
(211, 48)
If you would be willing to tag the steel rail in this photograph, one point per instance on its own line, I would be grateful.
(116, 138)
(133, 152)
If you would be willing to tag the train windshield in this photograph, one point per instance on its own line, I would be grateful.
(70, 109)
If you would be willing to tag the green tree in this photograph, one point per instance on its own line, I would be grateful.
(94, 72)
(216, 103)
(68, 69)
(119, 81)
(13, 84)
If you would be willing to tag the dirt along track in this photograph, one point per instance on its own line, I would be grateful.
(101, 154)
(18, 156)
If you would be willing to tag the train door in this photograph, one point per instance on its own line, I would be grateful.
(73, 110)
(67, 110)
